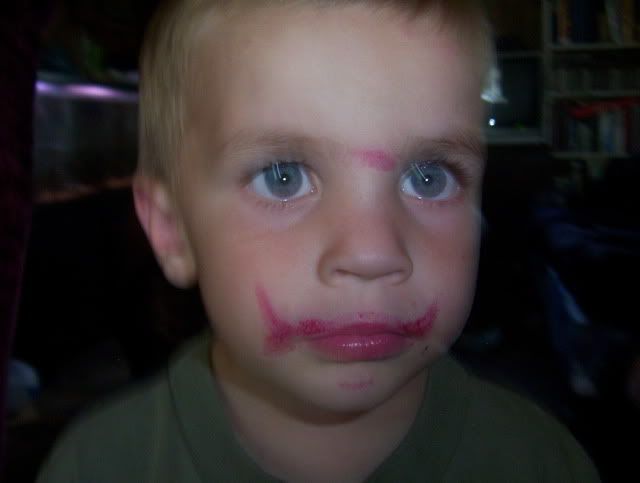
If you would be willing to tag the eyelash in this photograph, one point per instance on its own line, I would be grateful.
(459, 169)
(259, 165)
(264, 164)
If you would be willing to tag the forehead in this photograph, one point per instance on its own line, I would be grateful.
(343, 73)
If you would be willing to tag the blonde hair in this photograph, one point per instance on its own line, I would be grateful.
(166, 73)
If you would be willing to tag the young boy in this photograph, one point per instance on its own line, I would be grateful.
(316, 166)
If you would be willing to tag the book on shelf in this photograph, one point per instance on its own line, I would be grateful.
(604, 77)
(613, 11)
(611, 127)
(634, 129)
(584, 21)
(628, 21)
(612, 131)
(563, 24)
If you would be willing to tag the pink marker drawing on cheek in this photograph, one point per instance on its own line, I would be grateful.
(280, 333)
(376, 159)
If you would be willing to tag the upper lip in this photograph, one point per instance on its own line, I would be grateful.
(362, 324)
(363, 329)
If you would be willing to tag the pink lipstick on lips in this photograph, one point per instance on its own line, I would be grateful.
(362, 336)
(359, 344)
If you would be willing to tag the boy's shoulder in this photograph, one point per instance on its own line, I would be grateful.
(109, 432)
(507, 434)
(138, 429)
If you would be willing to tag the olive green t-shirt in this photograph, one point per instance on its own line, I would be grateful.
(174, 429)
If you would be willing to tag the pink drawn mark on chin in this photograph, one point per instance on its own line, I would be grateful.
(376, 159)
(356, 386)
(281, 334)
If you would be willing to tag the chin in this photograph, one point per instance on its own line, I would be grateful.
(353, 401)
(347, 398)
(327, 408)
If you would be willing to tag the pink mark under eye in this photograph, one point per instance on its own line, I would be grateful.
(376, 159)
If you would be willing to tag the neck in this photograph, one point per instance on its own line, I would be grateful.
(295, 441)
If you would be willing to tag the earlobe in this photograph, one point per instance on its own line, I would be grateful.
(162, 224)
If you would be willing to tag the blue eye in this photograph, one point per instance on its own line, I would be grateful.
(429, 180)
(282, 181)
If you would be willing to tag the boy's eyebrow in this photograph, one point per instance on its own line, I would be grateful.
(458, 141)
(277, 140)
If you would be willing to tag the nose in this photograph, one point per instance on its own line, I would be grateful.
(365, 247)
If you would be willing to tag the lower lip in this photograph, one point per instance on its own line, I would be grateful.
(354, 347)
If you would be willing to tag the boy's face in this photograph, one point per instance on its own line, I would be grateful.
(330, 198)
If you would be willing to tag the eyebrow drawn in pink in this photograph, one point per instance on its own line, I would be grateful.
(376, 159)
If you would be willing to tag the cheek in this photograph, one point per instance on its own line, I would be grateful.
(234, 261)
(449, 241)
(456, 252)
(448, 259)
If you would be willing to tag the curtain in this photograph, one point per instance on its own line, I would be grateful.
(20, 25)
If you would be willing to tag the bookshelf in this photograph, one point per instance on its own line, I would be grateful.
(595, 47)
(516, 119)
(588, 155)
(594, 94)
(519, 54)
(591, 91)
(515, 137)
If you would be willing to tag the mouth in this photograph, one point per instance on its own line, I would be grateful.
(353, 346)
(361, 336)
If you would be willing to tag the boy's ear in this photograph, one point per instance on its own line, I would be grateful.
(162, 223)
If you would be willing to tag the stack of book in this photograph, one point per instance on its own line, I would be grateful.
(596, 77)
(611, 128)
(591, 21)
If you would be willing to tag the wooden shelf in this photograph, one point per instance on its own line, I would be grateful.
(520, 54)
(594, 94)
(594, 47)
(588, 155)
(514, 137)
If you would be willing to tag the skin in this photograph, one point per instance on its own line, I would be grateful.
(377, 159)
(341, 86)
